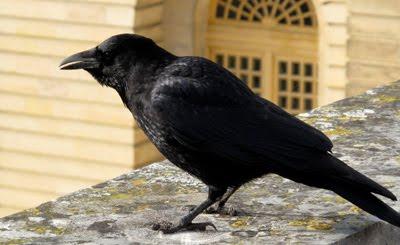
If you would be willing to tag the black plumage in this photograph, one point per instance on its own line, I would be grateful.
(209, 123)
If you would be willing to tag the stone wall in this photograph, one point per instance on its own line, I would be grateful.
(365, 131)
(374, 44)
(61, 131)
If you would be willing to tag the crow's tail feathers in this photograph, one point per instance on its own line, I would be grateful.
(369, 203)
(351, 177)
(358, 188)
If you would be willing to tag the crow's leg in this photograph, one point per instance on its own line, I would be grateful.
(214, 194)
(221, 204)
(227, 195)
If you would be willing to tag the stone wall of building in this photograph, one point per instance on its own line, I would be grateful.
(332, 55)
(374, 44)
(61, 131)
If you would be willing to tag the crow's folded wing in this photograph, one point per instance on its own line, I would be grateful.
(218, 114)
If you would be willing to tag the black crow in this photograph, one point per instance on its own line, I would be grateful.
(210, 124)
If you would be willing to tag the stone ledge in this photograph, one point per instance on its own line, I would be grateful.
(366, 133)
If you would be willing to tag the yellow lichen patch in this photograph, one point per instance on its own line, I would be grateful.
(355, 209)
(42, 229)
(309, 120)
(38, 229)
(90, 212)
(388, 99)
(16, 242)
(334, 199)
(240, 222)
(120, 196)
(138, 182)
(343, 213)
(312, 224)
(298, 223)
(290, 206)
(58, 231)
(142, 207)
(339, 131)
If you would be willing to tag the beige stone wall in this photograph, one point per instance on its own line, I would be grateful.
(332, 54)
(61, 131)
(374, 44)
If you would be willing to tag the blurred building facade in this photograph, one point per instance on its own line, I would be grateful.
(61, 131)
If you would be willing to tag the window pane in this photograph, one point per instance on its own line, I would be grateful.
(244, 63)
(282, 101)
(231, 14)
(256, 81)
(295, 86)
(308, 21)
(220, 11)
(219, 58)
(308, 71)
(296, 68)
(282, 85)
(231, 61)
(308, 104)
(282, 67)
(295, 103)
(308, 87)
(256, 64)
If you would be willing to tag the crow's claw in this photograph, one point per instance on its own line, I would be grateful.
(199, 226)
(168, 228)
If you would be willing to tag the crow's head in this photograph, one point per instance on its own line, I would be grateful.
(116, 60)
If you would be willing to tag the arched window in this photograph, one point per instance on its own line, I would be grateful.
(269, 44)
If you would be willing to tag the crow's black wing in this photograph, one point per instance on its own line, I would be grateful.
(210, 110)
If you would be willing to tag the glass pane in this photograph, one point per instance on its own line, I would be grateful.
(219, 58)
(308, 71)
(236, 3)
(308, 87)
(308, 104)
(256, 64)
(282, 85)
(256, 81)
(304, 8)
(295, 103)
(282, 101)
(308, 21)
(220, 11)
(295, 86)
(282, 67)
(244, 63)
(231, 61)
(231, 14)
(295, 68)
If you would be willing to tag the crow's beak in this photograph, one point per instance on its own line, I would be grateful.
(83, 60)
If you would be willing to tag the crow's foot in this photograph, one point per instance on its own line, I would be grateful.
(168, 228)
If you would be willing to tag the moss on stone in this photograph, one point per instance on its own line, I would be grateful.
(388, 98)
(338, 131)
(240, 222)
(312, 224)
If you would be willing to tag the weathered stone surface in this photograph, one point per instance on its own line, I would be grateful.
(366, 134)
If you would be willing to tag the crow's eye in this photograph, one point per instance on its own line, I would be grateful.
(107, 53)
